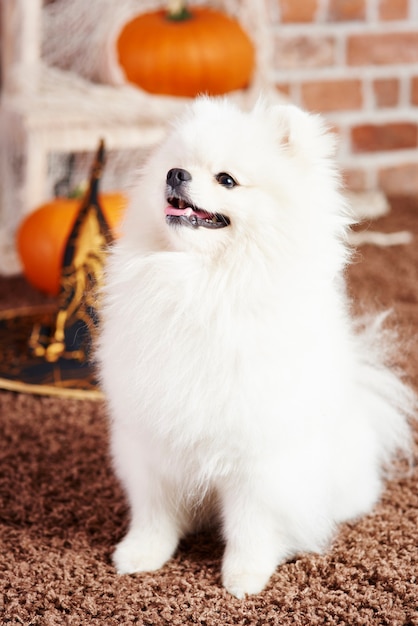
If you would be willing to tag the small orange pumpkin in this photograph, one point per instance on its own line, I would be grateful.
(42, 236)
(186, 53)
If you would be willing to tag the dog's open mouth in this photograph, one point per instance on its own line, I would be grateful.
(180, 212)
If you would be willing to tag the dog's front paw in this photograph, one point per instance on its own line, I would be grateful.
(241, 583)
(247, 571)
(143, 552)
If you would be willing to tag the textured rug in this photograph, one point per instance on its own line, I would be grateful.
(62, 510)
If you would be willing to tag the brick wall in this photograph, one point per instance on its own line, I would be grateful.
(356, 61)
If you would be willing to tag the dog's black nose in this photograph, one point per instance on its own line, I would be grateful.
(176, 176)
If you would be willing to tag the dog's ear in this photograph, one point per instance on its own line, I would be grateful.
(302, 133)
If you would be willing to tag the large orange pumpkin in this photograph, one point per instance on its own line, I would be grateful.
(42, 236)
(203, 51)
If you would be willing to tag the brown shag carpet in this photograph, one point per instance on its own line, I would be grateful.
(62, 510)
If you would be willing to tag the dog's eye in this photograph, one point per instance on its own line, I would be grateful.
(226, 180)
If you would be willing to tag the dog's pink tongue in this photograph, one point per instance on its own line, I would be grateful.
(171, 210)
(187, 212)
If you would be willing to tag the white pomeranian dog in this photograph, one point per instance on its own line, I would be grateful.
(240, 389)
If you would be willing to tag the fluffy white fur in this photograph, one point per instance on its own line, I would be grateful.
(240, 389)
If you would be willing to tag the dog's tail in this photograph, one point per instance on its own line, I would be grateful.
(392, 403)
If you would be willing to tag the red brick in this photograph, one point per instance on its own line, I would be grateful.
(393, 9)
(298, 10)
(399, 179)
(332, 95)
(386, 92)
(354, 179)
(382, 49)
(414, 90)
(347, 10)
(377, 137)
(302, 51)
(283, 89)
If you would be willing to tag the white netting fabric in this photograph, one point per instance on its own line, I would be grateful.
(95, 25)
